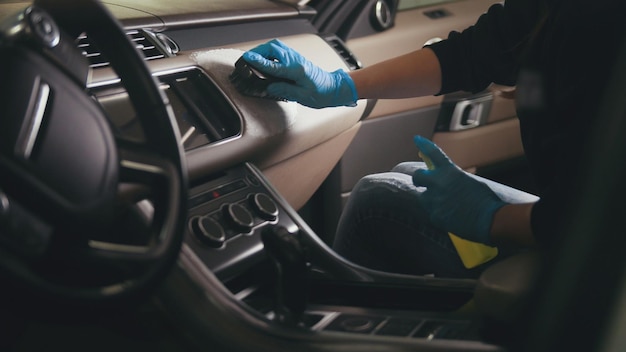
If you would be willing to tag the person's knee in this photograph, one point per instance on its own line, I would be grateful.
(384, 183)
(373, 180)
(409, 167)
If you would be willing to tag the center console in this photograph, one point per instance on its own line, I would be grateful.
(227, 218)
(227, 214)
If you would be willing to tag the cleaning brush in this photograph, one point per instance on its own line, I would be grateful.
(250, 81)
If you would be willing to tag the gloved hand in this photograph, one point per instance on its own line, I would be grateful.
(314, 87)
(455, 201)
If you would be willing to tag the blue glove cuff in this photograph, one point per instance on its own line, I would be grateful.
(347, 94)
(485, 220)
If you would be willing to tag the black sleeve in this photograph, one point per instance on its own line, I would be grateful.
(579, 58)
(488, 52)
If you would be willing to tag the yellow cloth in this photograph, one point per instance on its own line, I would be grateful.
(471, 253)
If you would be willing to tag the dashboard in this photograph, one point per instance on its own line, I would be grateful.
(270, 133)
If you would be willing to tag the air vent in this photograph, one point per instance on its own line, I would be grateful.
(341, 49)
(148, 43)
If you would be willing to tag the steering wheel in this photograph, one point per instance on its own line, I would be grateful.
(86, 216)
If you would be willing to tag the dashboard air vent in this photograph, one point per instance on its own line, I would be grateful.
(147, 42)
(341, 49)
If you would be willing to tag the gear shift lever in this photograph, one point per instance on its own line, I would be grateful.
(292, 273)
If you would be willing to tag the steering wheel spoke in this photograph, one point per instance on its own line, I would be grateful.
(142, 165)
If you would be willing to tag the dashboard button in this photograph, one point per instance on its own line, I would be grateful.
(265, 206)
(208, 231)
(239, 217)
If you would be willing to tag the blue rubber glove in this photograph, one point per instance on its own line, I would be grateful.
(455, 201)
(314, 87)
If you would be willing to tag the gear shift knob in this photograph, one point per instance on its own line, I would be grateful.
(292, 273)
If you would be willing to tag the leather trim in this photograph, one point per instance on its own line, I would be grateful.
(482, 146)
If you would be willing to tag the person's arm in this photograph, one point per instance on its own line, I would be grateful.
(511, 225)
(411, 75)
(415, 74)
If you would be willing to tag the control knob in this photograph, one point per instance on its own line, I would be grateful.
(208, 231)
(264, 206)
(239, 217)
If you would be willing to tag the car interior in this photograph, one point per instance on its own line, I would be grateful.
(148, 203)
